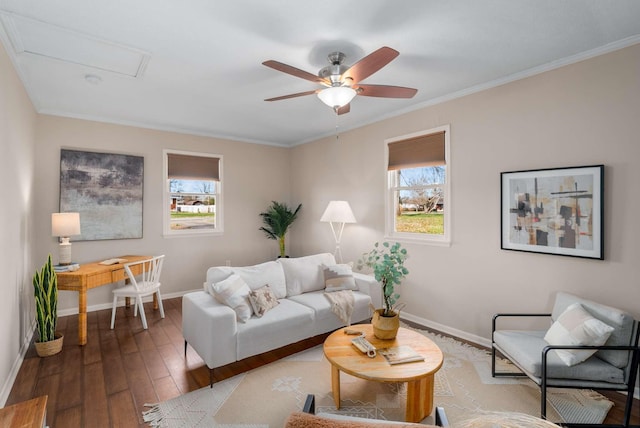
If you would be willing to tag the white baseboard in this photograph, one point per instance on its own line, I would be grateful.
(15, 368)
(478, 340)
(102, 306)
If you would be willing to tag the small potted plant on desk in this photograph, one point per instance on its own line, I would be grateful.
(45, 287)
(387, 261)
(277, 219)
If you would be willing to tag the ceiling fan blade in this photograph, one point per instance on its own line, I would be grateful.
(295, 72)
(299, 94)
(344, 109)
(370, 64)
(385, 91)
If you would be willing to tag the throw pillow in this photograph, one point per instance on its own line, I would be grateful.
(338, 277)
(576, 326)
(262, 300)
(234, 292)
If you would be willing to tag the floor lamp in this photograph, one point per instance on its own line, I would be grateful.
(337, 214)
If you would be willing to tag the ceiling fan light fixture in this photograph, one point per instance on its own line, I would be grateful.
(337, 96)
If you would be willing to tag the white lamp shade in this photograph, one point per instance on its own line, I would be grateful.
(338, 212)
(337, 96)
(65, 224)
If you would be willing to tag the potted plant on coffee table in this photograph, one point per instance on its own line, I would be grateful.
(277, 219)
(387, 261)
(45, 287)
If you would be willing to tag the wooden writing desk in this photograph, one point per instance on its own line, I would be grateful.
(92, 275)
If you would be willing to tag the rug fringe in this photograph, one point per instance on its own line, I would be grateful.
(153, 416)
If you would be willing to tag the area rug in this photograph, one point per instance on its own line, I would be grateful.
(265, 396)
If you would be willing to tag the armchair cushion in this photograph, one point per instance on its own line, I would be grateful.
(576, 326)
(525, 348)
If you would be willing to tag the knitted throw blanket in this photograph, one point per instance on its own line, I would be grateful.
(342, 304)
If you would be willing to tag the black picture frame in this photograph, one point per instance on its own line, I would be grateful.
(557, 211)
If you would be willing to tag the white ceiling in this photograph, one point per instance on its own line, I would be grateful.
(194, 66)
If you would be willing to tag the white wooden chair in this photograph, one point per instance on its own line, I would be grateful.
(142, 285)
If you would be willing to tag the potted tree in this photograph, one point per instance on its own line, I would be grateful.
(387, 261)
(45, 287)
(277, 219)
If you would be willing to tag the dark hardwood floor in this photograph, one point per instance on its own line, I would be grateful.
(107, 382)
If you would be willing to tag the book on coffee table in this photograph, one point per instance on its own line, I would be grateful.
(400, 355)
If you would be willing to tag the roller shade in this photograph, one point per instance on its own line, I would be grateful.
(185, 167)
(424, 150)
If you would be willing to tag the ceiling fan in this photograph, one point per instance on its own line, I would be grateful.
(342, 83)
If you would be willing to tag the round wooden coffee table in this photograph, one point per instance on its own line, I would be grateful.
(345, 357)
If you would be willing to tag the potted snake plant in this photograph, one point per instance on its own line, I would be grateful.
(387, 261)
(45, 287)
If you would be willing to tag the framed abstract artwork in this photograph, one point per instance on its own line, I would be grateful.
(555, 211)
(106, 189)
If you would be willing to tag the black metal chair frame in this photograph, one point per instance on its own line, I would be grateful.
(545, 382)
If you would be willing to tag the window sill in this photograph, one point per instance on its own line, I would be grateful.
(192, 234)
(409, 239)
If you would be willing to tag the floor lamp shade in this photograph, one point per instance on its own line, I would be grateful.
(64, 225)
(338, 212)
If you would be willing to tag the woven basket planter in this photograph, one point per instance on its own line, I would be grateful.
(385, 327)
(52, 347)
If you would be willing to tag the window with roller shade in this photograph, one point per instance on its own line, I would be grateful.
(193, 193)
(418, 193)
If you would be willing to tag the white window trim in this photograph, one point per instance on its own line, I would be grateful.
(166, 200)
(389, 201)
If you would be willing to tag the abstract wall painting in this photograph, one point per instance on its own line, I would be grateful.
(555, 211)
(106, 189)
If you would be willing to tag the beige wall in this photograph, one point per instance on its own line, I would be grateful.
(17, 141)
(253, 176)
(582, 114)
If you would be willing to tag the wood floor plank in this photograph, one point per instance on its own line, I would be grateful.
(129, 366)
(122, 410)
(71, 418)
(95, 412)
(71, 381)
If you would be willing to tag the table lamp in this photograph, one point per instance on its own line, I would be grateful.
(338, 212)
(65, 225)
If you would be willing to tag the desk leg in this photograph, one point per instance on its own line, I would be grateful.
(335, 385)
(419, 399)
(155, 302)
(127, 302)
(82, 317)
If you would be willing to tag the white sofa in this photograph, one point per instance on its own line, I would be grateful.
(214, 332)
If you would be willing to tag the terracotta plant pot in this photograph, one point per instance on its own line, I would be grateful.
(385, 327)
(52, 347)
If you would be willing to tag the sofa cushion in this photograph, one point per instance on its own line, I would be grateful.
(257, 276)
(262, 300)
(287, 323)
(621, 321)
(576, 326)
(234, 292)
(338, 277)
(304, 274)
(526, 347)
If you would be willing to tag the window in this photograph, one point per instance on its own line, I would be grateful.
(418, 194)
(193, 193)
